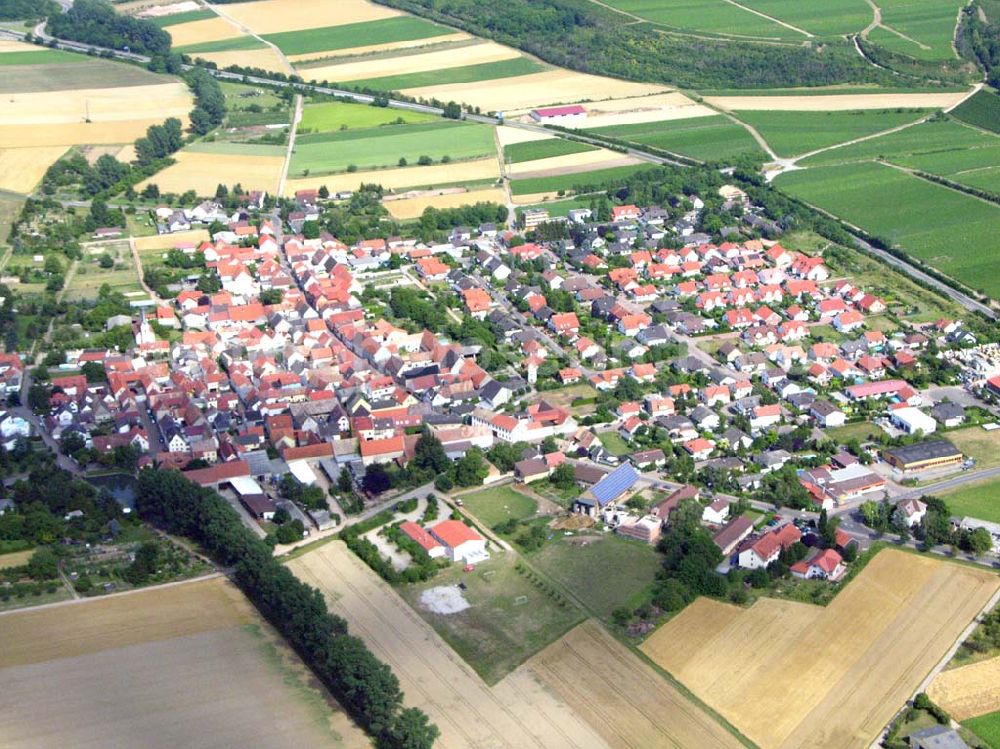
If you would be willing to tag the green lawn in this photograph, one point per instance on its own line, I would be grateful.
(497, 504)
(332, 116)
(859, 431)
(509, 619)
(604, 572)
(714, 138)
(945, 228)
(179, 18)
(835, 17)
(980, 500)
(981, 110)
(543, 149)
(37, 57)
(400, 29)
(986, 727)
(486, 71)
(978, 444)
(614, 443)
(224, 45)
(583, 180)
(384, 146)
(790, 133)
(713, 16)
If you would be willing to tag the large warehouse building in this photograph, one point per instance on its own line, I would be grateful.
(923, 456)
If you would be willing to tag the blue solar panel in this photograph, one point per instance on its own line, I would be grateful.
(615, 484)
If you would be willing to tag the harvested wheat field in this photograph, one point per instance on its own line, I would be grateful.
(200, 32)
(836, 102)
(9, 45)
(169, 241)
(572, 163)
(419, 62)
(514, 95)
(621, 697)
(265, 58)
(274, 16)
(349, 52)
(185, 665)
(520, 712)
(204, 172)
(809, 668)
(21, 169)
(640, 109)
(395, 179)
(508, 136)
(968, 691)
(414, 207)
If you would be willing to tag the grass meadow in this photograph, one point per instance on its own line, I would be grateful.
(790, 133)
(831, 19)
(387, 30)
(333, 116)
(543, 149)
(986, 727)
(712, 16)
(945, 228)
(175, 19)
(37, 57)
(714, 138)
(980, 500)
(565, 182)
(499, 503)
(486, 71)
(385, 146)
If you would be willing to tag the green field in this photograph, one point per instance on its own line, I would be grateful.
(947, 229)
(509, 618)
(224, 45)
(236, 149)
(384, 146)
(982, 110)
(930, 23)
(89, 276)
(331, 116)
(401, 29)
(928, 137)
(986, 727)
(570, 181)
(497, 504)
(713, 16)
(791, 133)
(83, 72)
(604, 572)
(980, 500)
(486, 71)
(975, 167)
(37, 57)
(543, 149)
(833, 18)
(179, 18)
(714, 138)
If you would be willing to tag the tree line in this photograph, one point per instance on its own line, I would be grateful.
(365, 686)
(17, 10)
(96, 22)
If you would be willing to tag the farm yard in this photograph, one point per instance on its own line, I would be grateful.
(519, 712)
(807, 665)
(936, 224)
(183, 663)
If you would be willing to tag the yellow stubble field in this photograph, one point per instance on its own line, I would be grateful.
(835, 102)
(200, 32)
(792, 675)
(21, 169)
(968, 691)
(414, 207)
(367, 49)
(274, 16)
(265, 59)
(521, 93)
(204, 172)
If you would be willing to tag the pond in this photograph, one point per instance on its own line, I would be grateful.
(121, 486)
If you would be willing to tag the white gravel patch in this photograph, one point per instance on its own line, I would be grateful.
(444, 599)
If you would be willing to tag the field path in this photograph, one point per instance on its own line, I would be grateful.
(138, 269)
(296, 117)
(772, 19)
(516, 713)
(504, 177)
(246, 30)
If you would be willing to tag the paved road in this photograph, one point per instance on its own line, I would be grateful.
(954, 482)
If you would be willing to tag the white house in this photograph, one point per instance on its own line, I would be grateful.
(911, 512)
(462, 544)
(716, 513)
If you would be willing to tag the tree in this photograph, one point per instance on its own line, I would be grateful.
(344, 482)
(411, 729)
(44, 564)
(429, 453)
(471, 469)
(72, 443)
(549, 445)
(443, 483)
(290, 532)
(377, 479)
(827, 530)
(563, 476)
(979, 541)
(147, 558)
(39, 398)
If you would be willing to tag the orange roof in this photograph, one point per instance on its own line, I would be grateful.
(454, 533)
(383, 446)
(419, 535)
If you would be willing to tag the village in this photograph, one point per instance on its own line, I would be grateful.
(630, 361)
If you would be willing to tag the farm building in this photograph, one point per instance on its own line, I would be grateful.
(730, 537)
(558, 115)
(461, 543)
(923, 456)
(610, 489)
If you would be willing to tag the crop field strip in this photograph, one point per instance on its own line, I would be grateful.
(568, 181)
(384, 146)
(272, 16)
(230, 44)
(980, 110)
(929, 23)
(791, 133)
(575, 163)
(835, 18)
(404, 178)
(410, 208)
(712, 16)
(707, 138)
(400, 29)
(77, 72)
(487, 71)
(204, 172)
(896, 619)
(543, 149)
(188, 16)
(335, 116)
(968, 691)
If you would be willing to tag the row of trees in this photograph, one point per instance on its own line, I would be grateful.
(210, 102)
(96, 22)
(364, 685)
